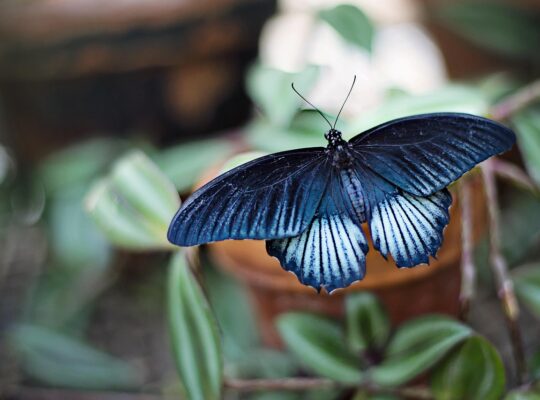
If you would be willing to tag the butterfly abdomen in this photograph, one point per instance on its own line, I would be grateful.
(355, 191)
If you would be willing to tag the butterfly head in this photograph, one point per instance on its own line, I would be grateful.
(334, 138)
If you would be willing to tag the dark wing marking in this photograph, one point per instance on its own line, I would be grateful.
(271, 197)
(424, 153)
(331, 253)
(408, 227)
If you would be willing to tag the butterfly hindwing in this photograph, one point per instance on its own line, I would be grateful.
(274, 196)
(423, 154)
(410, 227)
(403, 225)
(330, 253)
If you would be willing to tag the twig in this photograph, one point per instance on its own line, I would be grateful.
(468, 270)
(517, 101)
(289, 384)
(301, 384)
(513, 173)
(505, 286)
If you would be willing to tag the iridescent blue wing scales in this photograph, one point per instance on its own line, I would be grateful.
(410, 227)
(403, 225)
(331, 252)
(423, 154)
(275, 196)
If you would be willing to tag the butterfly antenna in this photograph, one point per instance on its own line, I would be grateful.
(343, 105)
(315, 108)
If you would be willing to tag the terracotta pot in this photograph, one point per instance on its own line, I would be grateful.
(406, 293)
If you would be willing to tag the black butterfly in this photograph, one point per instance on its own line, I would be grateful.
(309, 204)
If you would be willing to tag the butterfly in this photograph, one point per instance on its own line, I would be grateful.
(309, 204)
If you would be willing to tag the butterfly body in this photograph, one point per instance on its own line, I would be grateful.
(310, 204)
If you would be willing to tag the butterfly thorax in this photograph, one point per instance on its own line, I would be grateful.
(338, 149)
(334, 138)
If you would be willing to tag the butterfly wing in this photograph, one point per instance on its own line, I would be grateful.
(275, 196)
(423, 154)
(403, 225)
(331, 252)
(406, 226)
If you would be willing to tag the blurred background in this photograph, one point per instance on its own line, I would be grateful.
(186, 85)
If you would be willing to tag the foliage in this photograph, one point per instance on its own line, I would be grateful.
(501, 27)
(417, 346)
(194, 334)
(134, 204)
(527, 124)
(270, 89)
(322, 346)
(63, 361)
(351, 23)
(184, 164)
(475, 371)
(368, 326)
(527, 281)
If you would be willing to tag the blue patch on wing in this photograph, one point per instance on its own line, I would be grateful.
(409, 227)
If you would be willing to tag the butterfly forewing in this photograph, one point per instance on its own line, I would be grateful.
(423, 154)
(271, 197)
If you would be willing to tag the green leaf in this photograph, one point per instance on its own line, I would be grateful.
(527, 283)
(185, 163)
(319, 344)
(194, 334)
(417, 346)
(474, 371)
(452, 98)
(502, 28)
(145, 188)
(368, 326)
(79, 163)
(59, 360)
(351, 23)
(134, 204)
(75, 240)
(64, 297)
(233, 310)
(527, 124)
(271, 90)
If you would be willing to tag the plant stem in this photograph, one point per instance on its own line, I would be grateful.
(301, 384)
(289, 384)
(517, 101)
(468, 269)
(505, 286)
(513, 173)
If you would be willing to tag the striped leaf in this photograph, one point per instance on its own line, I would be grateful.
(193, 333)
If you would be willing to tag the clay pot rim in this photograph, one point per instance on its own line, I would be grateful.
(260, 277)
